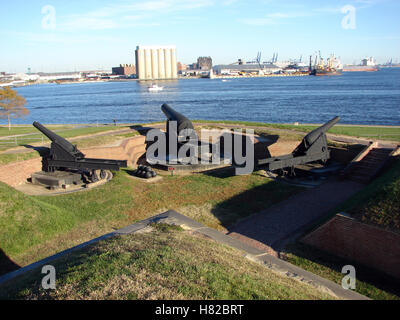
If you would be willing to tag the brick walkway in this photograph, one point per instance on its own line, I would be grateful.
(270, 229)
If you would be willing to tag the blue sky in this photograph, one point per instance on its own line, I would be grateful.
(91, 34)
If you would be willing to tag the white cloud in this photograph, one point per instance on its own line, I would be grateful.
(258, 21)
(88, 23)
(229, 2)
(358, 4)
(273, 18)
(278, 17)
(333, 10)
(116, 15)
(57, 38)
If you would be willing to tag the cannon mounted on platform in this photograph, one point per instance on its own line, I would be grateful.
(312, 148)
(183, 123)
(65, 157)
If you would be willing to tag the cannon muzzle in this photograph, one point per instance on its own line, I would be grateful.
(60, 141)
(172, 115)
(313, 135)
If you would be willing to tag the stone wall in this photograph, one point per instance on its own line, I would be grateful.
(17, 173)
(371, 246)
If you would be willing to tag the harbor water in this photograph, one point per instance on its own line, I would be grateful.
(371, 98)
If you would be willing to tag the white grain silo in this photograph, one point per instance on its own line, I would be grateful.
(161, 64)
(147, 60)
(140, 64)
(167, 63)
(156, 62)
(174, 65)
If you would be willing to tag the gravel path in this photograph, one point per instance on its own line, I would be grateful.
(272, 228)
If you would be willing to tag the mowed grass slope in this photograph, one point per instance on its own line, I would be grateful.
(368, 132)
(62, 130)
(163, 263)
(380, 202)
(16, 130)
(81, 142)
(34, 227)
(34, 136)
(377, 204)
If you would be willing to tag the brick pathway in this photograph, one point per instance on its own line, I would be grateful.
(270, 229)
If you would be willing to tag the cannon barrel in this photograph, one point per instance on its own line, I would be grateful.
(172, 115)
(313, 135)
(67, 146)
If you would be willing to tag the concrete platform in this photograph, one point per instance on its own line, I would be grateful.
(57, 179)
(40, 190)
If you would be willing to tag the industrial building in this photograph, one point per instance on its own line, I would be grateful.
(247, 68)
(204, 63)
(124, 70)
(156, 62)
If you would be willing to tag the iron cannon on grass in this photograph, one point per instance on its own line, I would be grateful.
(65, 160)
(313, 148)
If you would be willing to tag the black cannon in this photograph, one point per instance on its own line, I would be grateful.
(63, 156)
(183, 123)
(179, 133)
(312, 148)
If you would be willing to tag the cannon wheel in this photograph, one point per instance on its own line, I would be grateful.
(103, 174)
(323, 161)
(286, 172)
(95, 175)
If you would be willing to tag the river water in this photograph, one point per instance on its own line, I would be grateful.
(357, 97)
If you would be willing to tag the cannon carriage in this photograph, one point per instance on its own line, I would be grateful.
(65, 164)
(312, 148)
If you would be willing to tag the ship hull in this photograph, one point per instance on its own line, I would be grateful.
(326, 72)
(359, 69)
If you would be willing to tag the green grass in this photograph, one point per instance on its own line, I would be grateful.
(370, 283)
(88, 130)
(15, 157)
(83, 142)
(381, 194)
(64, 130)
(164, 263)
(382, 133)
(34, 227)
(35, 137)
(16, 130)
(377, 204)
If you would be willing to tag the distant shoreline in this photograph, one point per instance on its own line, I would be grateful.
(202, 121)
(214, 77)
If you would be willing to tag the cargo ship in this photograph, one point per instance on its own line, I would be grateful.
(332, 67)
(367, 65)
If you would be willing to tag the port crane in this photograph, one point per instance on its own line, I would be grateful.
(258, 60)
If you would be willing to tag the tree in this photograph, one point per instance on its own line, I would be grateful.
(12, 105)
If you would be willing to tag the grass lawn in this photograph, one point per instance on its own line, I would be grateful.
(37, 137)
(34, 227)
(15, 157)
(329, 267)
(84, 142)
(15, 130)
(382, 133)
(164, 263)
(64, 130)
(377, 204)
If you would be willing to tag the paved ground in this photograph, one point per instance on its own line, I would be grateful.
(271, 229)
